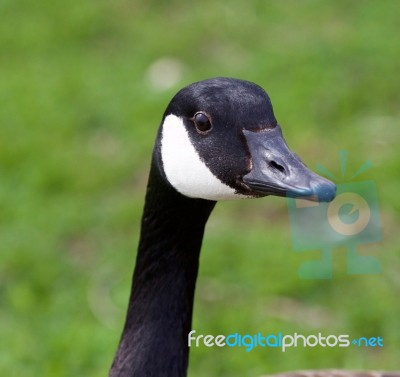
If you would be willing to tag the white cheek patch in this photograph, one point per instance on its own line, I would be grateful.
(184, 169)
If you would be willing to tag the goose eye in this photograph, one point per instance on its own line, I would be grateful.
(202, 122)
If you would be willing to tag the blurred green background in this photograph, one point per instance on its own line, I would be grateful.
(83, 87)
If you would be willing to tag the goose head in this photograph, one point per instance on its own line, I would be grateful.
(219, 139)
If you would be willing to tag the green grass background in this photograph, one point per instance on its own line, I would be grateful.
(78, 117)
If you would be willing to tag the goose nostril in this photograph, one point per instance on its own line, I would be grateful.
(276, 166)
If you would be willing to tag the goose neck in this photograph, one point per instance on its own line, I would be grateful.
(154, 340)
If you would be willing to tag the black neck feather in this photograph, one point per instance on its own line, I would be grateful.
(154, 340)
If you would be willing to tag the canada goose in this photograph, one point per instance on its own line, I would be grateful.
(218, 139)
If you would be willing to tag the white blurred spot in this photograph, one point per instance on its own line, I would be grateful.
(164, 73)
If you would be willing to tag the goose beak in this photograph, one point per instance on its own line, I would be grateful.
(276, 170)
